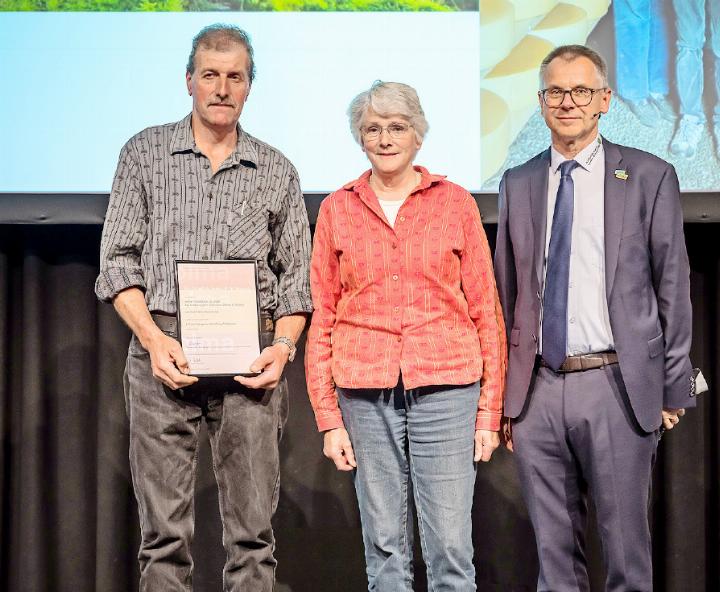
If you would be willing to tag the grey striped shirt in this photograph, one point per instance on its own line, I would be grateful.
(166, 205)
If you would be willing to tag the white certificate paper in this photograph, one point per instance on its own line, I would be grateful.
(218, 316)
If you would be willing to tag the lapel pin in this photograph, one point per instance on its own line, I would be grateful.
(621, 174)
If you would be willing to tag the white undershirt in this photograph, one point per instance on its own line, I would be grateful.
(588, 326)
(390, 208)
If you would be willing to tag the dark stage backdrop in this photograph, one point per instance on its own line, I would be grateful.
(69, 522)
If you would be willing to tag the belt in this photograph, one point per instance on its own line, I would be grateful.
(168, 322)
(584, 362)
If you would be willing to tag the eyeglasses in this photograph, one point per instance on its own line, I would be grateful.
(396, 130)
(580, 95)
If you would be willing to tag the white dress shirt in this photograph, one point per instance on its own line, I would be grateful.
(588, 317)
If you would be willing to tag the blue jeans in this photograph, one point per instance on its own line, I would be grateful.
(414, 446)
(641, 48)
(244, 428)
(690, 15)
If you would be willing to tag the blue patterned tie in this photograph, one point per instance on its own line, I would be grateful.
(557, 274)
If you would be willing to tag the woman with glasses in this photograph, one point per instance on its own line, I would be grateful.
(406, 351)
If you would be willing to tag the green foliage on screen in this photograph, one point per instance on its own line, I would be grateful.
(238, 5)
(94, 5)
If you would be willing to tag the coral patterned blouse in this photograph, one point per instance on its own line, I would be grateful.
(416, 298)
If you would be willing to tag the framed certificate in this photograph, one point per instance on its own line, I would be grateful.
(218, 313)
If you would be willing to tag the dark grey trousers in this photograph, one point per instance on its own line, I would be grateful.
(577, 434)
(244, 429)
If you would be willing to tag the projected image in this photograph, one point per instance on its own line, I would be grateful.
(515, 35)
(241, 5)
(117, 68)
(665, 83)
(94, 79)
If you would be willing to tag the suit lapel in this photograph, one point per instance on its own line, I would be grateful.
(538, 180)
(615, 189)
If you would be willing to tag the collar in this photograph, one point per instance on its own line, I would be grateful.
(182, 140)
(426, 180)
(586, 158)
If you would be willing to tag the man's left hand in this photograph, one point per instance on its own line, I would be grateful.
(486, 442)
(670, 417)
(270, 364)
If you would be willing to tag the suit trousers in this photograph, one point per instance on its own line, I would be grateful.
(577, 435)
(244, 428)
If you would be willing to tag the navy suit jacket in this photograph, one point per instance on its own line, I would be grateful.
(646, 273)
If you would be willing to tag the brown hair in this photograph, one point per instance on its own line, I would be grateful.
(221, 37)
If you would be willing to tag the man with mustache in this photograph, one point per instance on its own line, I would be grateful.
(204, 189)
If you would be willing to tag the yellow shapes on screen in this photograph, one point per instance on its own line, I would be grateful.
(494, 132)
(515, 35)
(497, 24)
(595, 9)
(515, 78)
(529, 9)
(527, 14)
(563, 25)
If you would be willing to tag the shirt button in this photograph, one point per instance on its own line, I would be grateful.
(399, 338)
(402, 218)
(394, 245)
(537, 294)
(395, 276)
(396, 309)
(534, 337)
(572, 319)
(210, 195)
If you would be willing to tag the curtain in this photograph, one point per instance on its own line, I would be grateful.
(68, 520)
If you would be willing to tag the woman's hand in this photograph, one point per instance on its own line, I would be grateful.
(486, 442)
(337, 448)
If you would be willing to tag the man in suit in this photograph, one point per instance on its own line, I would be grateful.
(593, 278)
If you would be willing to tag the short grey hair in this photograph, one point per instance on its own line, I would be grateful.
(570, 53)
(221, 37)
(386, 99)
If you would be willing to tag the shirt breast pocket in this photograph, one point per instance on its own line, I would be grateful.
(249, 233)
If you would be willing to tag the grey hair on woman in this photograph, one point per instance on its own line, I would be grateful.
(387, 99)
